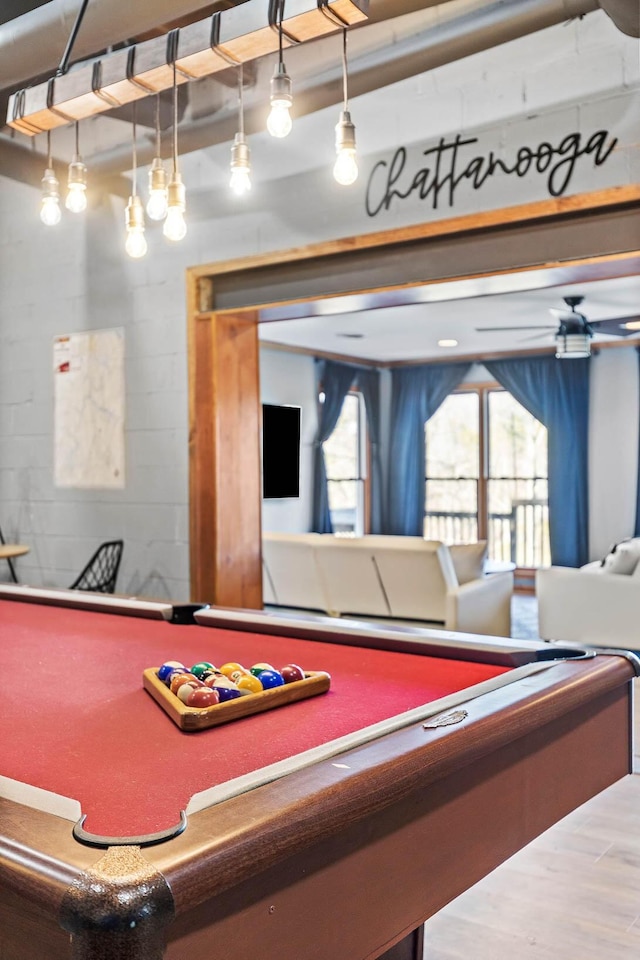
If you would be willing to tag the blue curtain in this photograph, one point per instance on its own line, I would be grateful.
(556, 392)
(368, 382)
(336, 379)
(637, 529)
(416, 394)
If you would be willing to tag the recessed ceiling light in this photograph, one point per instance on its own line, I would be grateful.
(632, 325)
(447, 343)
(352, 336)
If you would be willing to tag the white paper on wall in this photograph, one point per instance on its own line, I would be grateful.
(89, 403)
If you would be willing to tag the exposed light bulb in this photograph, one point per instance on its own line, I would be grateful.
(175, 227)
(135, 244)
(345, 169)
(50, 212)
(157, 202)
(76, 200)
(279, 120)
(240, 181)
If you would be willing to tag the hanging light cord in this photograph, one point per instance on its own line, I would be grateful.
(48, 149)
(158, 143)
(241, 103)
(175, 121)
(344, 69)
(77, 139)
(135, 153)
(280, 16)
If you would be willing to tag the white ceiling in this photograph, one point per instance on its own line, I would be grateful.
(412, 331)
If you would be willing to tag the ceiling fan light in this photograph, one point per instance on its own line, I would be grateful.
(572, 346)
(632, 325)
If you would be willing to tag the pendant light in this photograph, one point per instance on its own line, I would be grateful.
(76, 200)
(135, 244)
(50, 207)
(240, 181)
(157, 202)
(175, 227)
(345, 169)
(279, 119)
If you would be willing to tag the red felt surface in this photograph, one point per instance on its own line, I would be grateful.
(75, 720)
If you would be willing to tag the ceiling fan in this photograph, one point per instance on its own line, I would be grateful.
(574, 331)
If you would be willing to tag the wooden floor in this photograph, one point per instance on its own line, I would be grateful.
(572, 894)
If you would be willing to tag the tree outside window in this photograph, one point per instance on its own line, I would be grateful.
(486, 476)
(345, 463)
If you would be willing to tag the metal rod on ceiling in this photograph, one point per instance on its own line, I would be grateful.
(64, 63)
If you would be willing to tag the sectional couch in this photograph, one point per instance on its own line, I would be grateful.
(387, 577)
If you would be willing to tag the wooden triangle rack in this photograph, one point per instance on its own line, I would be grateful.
(227, 38)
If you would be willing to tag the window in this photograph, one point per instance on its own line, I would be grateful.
(345, 462)
(486, 476)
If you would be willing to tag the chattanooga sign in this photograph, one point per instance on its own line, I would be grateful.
(456, 163)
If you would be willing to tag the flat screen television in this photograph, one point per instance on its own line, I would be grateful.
(280, 451)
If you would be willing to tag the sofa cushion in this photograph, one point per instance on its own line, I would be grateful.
(623, 557)
(468, 560)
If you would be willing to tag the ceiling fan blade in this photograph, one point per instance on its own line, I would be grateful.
(615, 326)
(537, 326)
(537, 336)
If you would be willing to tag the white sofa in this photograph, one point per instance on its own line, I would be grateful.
(589, 605)
(401, 578)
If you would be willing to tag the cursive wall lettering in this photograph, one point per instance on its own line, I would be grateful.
(449, 166)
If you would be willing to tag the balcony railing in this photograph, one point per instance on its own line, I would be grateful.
(521, 536)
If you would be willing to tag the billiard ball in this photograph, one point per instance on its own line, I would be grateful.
(177, 679)
(218, 682)
(167, 667)
(229, 668)
(203, 697)
(208, 674)
(270, 679)
(174, 673)
(248, 682)
(257, 668)
(228, 693)
(292, 672)
(202, 667)
(185, 689)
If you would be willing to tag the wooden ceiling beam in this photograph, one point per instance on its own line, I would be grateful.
(208, 46)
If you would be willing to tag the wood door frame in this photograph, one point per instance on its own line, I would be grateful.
(224, 301)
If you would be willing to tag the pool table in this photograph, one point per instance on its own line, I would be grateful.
(327, 829)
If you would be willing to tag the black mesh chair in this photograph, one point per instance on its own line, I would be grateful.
(101, 573)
